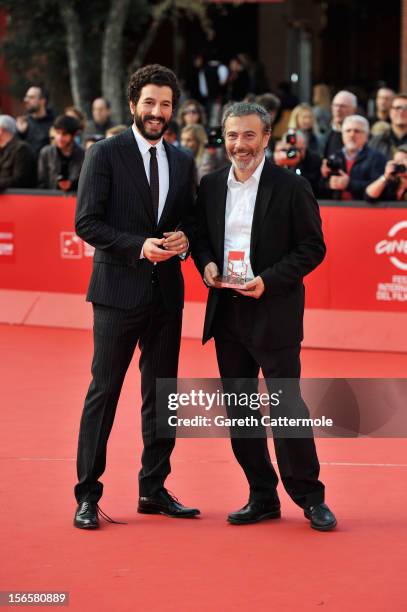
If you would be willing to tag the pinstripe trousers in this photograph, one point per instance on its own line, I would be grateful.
(116, 335)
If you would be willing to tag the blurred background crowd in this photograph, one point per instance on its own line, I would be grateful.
(342, 150)
(338, 119)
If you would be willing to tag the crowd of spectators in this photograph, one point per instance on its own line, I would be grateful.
(345, 153)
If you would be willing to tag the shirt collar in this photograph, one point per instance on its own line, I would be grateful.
(351, 157)
(234, 183)
(143, 144)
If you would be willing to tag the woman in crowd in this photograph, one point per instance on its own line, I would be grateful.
(191, 112)
(302, 118)
(194, 138)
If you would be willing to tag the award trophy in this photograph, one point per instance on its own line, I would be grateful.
(235, 277)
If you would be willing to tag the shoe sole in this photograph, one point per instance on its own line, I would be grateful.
(329, 527)
(86, 527)
(263, 517)
(192, 515)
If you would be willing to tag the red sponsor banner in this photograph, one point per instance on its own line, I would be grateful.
(7, 247)
(366, 263)
(365, 267)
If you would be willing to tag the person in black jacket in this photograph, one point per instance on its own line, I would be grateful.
(59, 164)
(17, 160)
(347, 173)
(135, 204)
(35, 125)
(271, 217)
(392, 184)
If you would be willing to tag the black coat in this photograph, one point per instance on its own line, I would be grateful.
(286, 244)
(18, 166)
(50, 167)
(368, 166)
(37, 133)
(114, 214)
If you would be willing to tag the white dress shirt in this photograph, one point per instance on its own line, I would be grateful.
(163, 170)
(240, 201)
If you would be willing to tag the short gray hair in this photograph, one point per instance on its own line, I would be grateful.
(358, 119)
(8, 123)
(351, 97)
(242, 109)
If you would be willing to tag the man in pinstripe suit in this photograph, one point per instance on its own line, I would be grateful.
(134, 206)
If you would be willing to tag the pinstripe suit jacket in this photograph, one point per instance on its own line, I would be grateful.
(114, 214)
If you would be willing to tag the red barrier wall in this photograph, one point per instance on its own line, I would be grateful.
(365, 267)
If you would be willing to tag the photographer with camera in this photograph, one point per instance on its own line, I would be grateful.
(392, 184)
(346, 173)
(292, 152)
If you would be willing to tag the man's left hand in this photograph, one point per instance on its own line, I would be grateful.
(255, 288)
(176, 241)
(340, 182)
(65, 184)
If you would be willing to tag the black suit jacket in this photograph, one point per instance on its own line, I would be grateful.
(114, 214)
(286, 244)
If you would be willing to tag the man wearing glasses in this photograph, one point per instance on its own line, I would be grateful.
(396, 136)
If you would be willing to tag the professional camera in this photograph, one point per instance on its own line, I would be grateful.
(398, 169)
(215, 140)
(291, 139)
(334, 163)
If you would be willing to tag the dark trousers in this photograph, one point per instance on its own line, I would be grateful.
(241, 354)
(116, 334)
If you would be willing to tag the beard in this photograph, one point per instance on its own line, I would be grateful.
(144, 131)
(251, 161)
(33, 109)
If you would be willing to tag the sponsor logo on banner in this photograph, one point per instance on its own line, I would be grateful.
(7, 245)
(395, 247)
(72, 247)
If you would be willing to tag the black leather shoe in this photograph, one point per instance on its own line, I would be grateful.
(256, 511)
(321, 517)
(163, 503)
(86, 516)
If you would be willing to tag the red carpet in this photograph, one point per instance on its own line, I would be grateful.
(159, 564)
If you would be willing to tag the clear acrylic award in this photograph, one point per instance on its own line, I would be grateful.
(236, 272)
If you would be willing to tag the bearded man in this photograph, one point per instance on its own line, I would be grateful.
(135, 203)
(268, 218)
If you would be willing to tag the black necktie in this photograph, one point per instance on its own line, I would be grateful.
(154, 183)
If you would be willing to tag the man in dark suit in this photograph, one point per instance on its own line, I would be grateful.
(134, 206)
(271, 216)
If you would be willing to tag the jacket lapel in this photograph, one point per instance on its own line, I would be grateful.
(219, 197)
(132, 159)
(261, 206)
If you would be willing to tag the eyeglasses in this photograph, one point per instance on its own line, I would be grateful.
(188, 111)
(401, 108)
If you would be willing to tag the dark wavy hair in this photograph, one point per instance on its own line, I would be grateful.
(153, 74)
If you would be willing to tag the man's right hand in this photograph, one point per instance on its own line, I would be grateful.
(210, 272)
(389, 169)
(153, 252)
(22, 124)
(325, 170)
